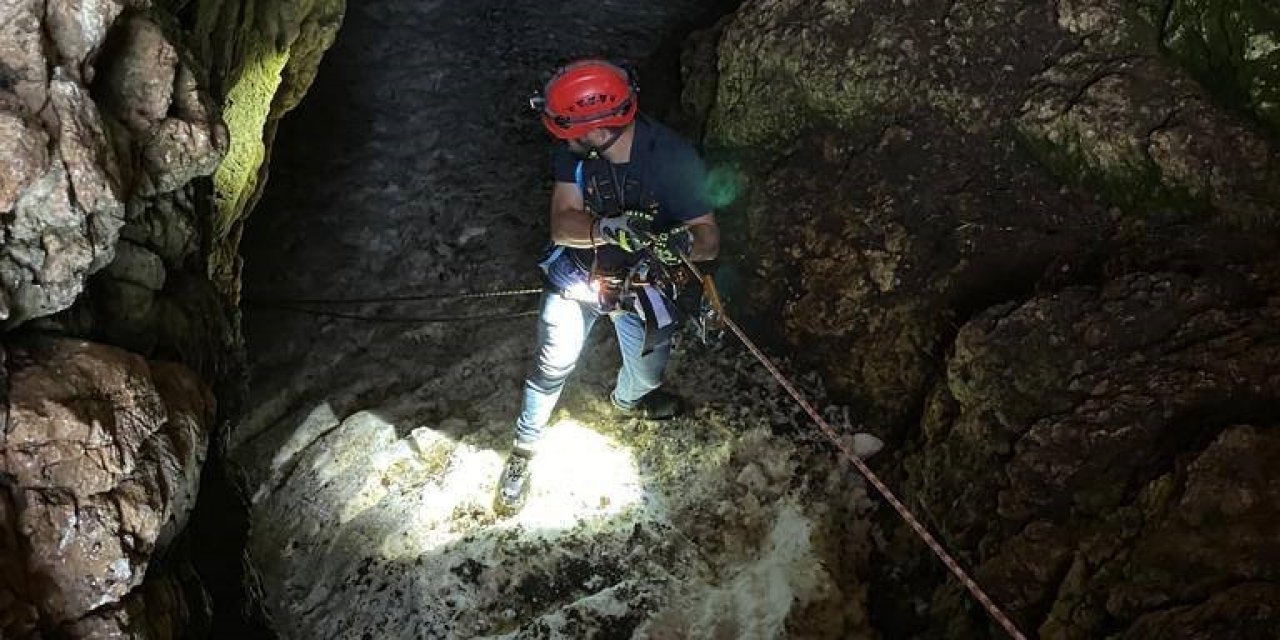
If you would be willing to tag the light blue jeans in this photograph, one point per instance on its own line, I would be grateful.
(563, 326)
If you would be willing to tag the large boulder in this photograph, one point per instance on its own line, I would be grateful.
(101, 453)
(119, 124)
(886, 200)
(1032, 242)
(1093, 447)
(110, 87)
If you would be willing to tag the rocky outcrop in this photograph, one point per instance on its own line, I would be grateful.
(1132, 428)
(1033, 242)
(886, 202)
(101, 454)
(106, 112)
(1140, 131)
(109, 123)
(118, 121)
(1231, 47)
(263, 57)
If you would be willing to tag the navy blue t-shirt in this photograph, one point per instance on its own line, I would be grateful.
(665, 177)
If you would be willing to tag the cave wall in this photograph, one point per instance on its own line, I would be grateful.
(1033, 244)
(134, 137)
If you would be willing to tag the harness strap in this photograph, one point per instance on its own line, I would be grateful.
(656, 312)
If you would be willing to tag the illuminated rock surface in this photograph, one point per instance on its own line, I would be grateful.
(101, 453)
(373, 450)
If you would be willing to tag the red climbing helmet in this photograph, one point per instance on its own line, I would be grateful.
(586, 95)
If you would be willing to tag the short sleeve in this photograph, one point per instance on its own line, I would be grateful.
(563, 163)
(684, 179)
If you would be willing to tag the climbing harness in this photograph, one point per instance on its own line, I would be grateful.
(972, 586)
(647, 288)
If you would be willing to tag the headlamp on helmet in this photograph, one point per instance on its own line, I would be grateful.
(585, 95)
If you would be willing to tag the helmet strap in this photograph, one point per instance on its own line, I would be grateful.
(594, 153)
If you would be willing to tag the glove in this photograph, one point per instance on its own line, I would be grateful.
(669, 247)
(629, 230)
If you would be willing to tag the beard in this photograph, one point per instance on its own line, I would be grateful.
(583, 148)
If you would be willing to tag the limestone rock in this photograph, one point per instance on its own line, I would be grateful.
(136, 264)
(63, 225)
(77, 30)
(102, 453)
(1035, 240)
(1244, 611)
(22, 159)
(151, 88)
(65, 206)
(1122, 117)
(886, 200)
(1086, 402)
(263, 59)
(1233, 47)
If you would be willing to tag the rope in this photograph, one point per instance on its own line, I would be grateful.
(393, 319)
(465, 295)
(992, 608)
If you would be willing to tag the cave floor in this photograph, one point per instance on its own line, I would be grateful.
(371, 448)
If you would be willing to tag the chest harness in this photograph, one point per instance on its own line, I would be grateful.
(644, 286)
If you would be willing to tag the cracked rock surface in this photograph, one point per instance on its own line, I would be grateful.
(107, 87)
(1036, 242)
(100, 451)
(110, 129)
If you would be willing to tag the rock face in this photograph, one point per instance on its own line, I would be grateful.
(117, 120)
(1129, 425)
(107, 125)
(76, 122)
(262, 58)
(1229, 46)
(101, 454)
(1033, 242)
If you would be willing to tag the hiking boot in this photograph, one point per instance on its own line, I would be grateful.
(513, 486)
(655, 405)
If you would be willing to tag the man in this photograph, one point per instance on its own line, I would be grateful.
(628, 203)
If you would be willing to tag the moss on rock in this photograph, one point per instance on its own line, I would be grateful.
(262, 58)
(246, 109)
(778, 75)
(1233, 47)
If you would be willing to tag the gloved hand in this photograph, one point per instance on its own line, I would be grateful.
(670, 246)
(629, 230)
